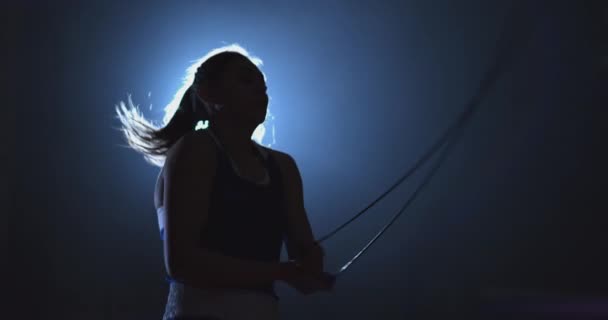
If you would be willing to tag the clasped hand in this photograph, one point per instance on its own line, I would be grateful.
(306, 274)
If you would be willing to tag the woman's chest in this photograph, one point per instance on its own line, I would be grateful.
(251, 169)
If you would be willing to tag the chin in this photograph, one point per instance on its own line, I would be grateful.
(261, 116)
(255, 120)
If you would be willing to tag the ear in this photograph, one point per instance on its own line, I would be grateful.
(203, 92)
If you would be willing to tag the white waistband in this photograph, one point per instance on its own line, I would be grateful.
(227, 304)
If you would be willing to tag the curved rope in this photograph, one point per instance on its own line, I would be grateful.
(427, 178)
(503, 57)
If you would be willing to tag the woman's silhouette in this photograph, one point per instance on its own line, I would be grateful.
(225, 203)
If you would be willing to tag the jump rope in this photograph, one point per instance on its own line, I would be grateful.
(504, 56)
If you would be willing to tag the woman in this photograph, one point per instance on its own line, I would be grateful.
(226, 203)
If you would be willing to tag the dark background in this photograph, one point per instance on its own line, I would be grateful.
(360, 90)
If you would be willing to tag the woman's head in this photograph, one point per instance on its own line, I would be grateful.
(230, 90)
(223, 88)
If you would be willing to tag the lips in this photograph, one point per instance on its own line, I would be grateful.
(261, 101)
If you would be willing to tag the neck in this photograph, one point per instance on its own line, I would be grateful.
(236, 139)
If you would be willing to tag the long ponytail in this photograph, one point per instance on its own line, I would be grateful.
(154, 141)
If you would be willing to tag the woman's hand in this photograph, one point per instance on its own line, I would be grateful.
(311, 258)
(304, 281)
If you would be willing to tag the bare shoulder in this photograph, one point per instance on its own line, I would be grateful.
(278, 155)
(189, 149)
(284, 160)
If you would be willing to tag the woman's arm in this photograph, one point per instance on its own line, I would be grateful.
(300, 242)
(188, 175)
(159, 190)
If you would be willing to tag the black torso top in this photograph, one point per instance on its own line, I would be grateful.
(246, 219)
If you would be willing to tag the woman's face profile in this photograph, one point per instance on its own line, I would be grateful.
(245, 91)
